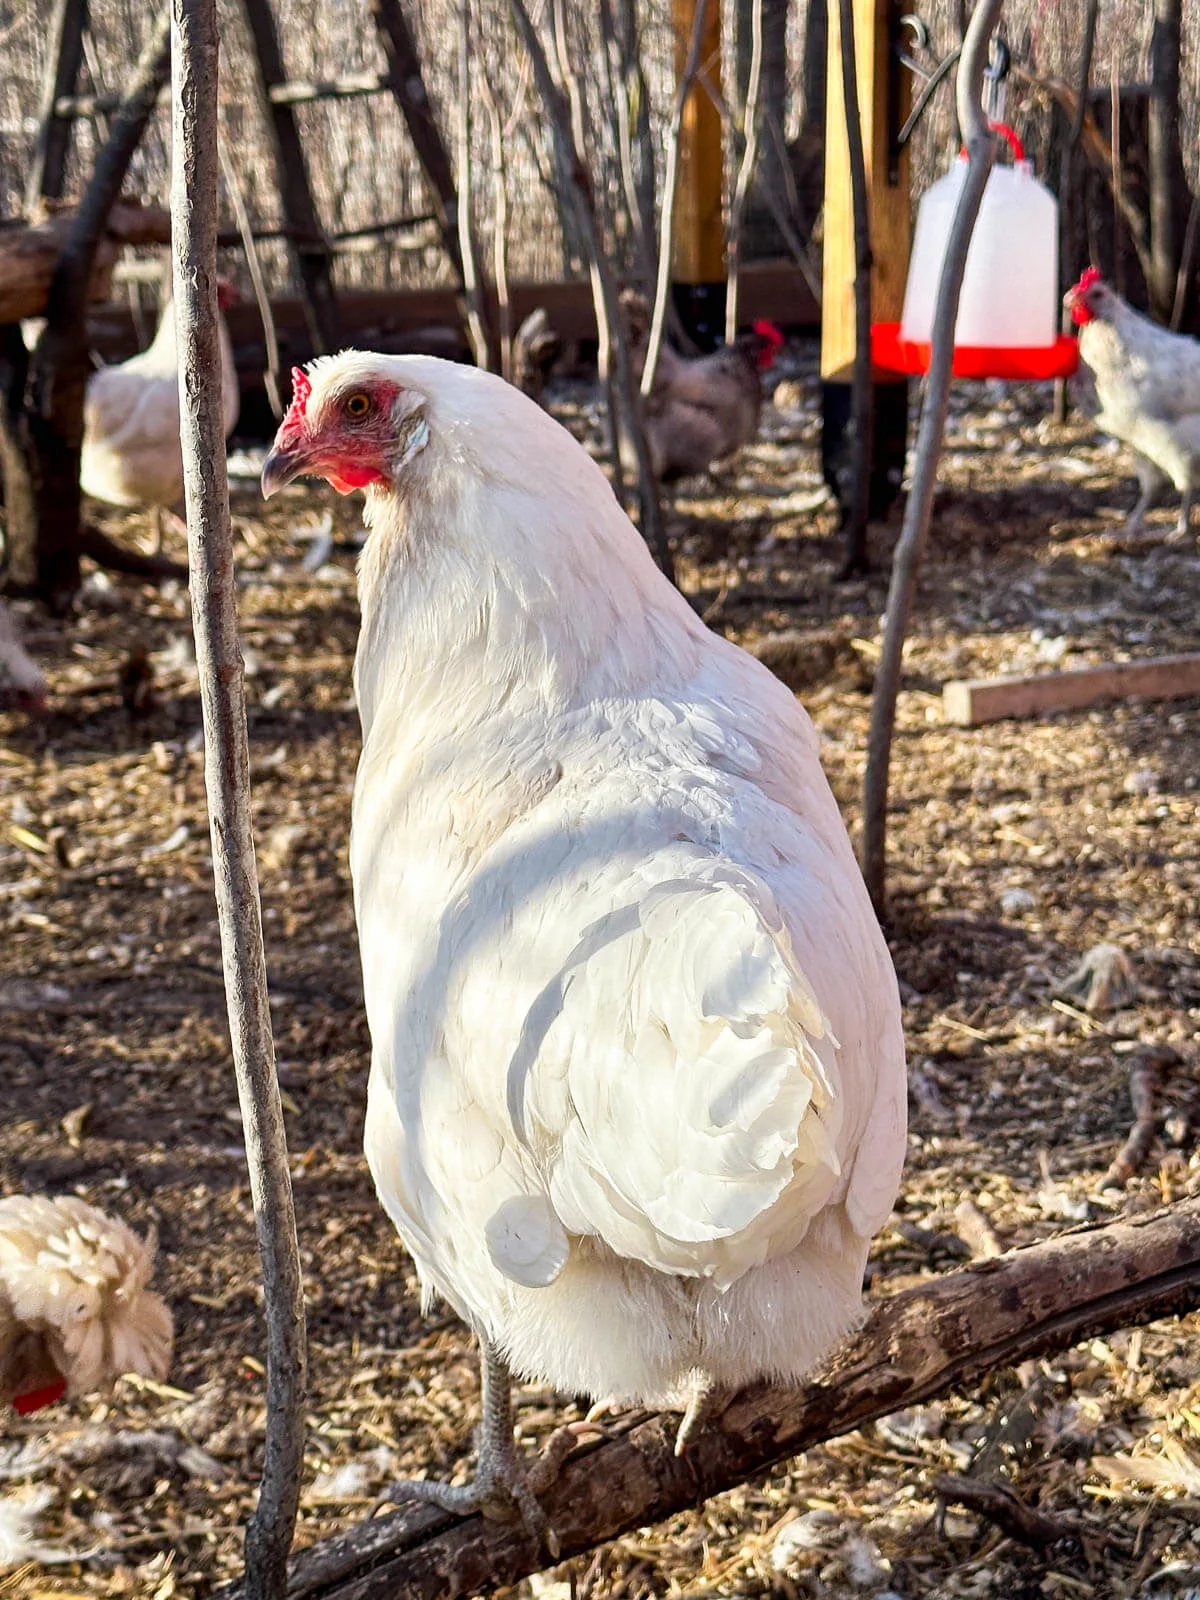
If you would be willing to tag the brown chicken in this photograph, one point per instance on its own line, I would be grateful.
(701, 408)
(75, 1312)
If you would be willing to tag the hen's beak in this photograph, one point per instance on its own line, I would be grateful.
(283, 465)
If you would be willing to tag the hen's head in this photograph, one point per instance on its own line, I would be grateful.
(352, 421)
(1090, 299)
(227, 294)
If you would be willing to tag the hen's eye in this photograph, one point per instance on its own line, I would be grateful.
(357, 406)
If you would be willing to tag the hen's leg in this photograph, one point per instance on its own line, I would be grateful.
(1152, 482)
(1185, 512)
(504, 1482)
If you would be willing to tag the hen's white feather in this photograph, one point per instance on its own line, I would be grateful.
(637, 1096)
(1146, 381)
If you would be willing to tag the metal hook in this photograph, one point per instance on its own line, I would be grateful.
(999, 61)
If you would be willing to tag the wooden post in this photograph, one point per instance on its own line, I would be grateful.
(883, 96)
(45, 179)
(52, 422)
(313, 255)
(698, 235)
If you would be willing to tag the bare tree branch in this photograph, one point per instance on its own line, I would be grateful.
(610, 320)
(476, 321)
(981, 151)
(500, 225)
(52, 425)
(778, 204)
(927, 1341)
(254, 263)
(745, 175)
(227, 780)
(666, 230)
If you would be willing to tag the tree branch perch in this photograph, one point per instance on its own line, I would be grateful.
(915, 1346)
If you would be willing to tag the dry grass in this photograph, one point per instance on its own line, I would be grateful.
(1015, 848)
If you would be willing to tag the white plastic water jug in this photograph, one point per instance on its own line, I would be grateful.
(1010, 289)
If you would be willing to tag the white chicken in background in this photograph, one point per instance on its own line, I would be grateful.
(1142, 385)
(637, 1095)
(131, 450)
(22, 682)
(75, 1312)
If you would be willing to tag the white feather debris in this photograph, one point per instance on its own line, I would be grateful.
(320, 546)
(18, 1544)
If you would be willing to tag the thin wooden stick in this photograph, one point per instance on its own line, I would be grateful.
(981, 152)
(227, 780)
(472, 293)
(666, 230)
(745, 175)
(254, 263)
(609, 318)
(500, 222)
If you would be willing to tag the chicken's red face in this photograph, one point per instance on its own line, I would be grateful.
(226, 293)
(352, 436)
(1084, 299)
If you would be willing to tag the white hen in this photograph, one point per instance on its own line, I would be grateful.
(1141, 382)
(22, 682)
(637, 1094)
(131, 450)
(75, 1311)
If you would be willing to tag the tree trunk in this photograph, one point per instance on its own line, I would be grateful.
(816, 54)
(857, 511)
(52, 424)
(19, 505)
(1169, 197)
(45, 178)
(932, 1340)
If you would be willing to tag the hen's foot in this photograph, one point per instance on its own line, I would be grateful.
(705, 1404)
(506, 1483)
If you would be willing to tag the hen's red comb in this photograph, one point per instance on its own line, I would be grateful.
(768, 331)
(301, 389)
(1089, 276)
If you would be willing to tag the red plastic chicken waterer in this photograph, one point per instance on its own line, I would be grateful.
(1008, 309)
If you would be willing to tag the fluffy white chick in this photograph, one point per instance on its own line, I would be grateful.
(75, 1310)
(637, 1093)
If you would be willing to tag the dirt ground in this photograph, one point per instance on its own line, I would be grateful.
(1015, 848)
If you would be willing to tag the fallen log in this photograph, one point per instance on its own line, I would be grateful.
(914, 1346)
(30, 252)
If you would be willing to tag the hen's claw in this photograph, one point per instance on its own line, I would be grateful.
(505, 1481)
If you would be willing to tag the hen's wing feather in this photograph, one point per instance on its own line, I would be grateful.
(627, 1028)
